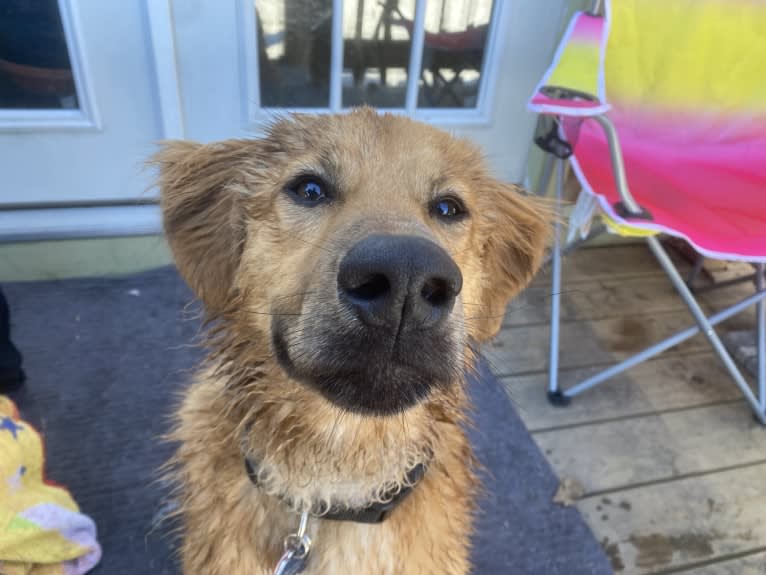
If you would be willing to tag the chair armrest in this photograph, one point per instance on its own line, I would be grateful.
(574, 84)
(627, 207)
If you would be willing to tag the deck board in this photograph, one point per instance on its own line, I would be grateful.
(612, 298)
(585, 343)
(627, 261)
(656, 447)
(665, 383)
(604, 263)
(658, 527)
(670, 460)
(749, 565)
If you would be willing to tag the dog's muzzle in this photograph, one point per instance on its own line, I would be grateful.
(384, 340)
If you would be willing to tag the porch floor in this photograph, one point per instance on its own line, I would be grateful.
(668, 459)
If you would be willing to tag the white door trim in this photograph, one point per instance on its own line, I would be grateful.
(71, 223)
(84, 118)
(162, 32)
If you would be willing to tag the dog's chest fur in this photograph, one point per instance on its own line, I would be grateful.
(232, 527)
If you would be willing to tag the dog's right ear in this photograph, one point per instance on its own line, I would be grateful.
(202, 213)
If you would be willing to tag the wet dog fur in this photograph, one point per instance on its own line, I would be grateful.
(337, 407)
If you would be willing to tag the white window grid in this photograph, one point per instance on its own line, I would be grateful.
(255, 115)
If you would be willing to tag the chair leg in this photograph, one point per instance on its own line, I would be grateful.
(705, 326)
(555, 396)
(760, 310)
(698, 265)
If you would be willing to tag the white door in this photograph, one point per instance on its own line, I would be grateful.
(87, 87)
(78, 108)
(465, 65)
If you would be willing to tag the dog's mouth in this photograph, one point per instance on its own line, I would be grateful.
(369, 375)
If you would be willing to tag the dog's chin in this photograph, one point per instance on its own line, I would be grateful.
(366, 384)
(369, 393)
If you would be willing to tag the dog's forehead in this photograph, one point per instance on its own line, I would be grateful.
(364, 144)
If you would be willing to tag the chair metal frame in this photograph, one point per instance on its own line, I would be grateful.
(704, 324)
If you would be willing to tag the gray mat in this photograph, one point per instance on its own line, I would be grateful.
(105, 359)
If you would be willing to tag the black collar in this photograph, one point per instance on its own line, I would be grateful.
(373, 513)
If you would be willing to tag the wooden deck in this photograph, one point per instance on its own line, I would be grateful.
(670, 464)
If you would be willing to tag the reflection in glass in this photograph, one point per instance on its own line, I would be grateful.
(35, 72)
(376, 52)
(453, 53)
(294, 42)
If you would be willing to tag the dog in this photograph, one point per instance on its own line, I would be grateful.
(347, 265)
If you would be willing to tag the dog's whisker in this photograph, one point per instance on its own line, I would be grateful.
(318, 246)
(275, 314)
(296, 294)
(515, 309)
(331, 439)
(477, 317)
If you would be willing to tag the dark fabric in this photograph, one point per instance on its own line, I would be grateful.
(520, 531)
(10, 358)
(105, 361)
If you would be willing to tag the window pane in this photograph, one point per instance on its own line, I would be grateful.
(453, 52)
(34, 63)
(294, 42)
(377, 39)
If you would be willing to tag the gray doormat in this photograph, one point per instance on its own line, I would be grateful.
(105, 361)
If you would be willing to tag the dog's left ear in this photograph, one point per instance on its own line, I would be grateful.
(515, 229)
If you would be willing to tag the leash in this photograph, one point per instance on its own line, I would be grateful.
(297, 548)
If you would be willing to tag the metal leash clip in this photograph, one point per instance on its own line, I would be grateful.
(297, 547)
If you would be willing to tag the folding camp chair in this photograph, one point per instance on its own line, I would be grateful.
(683, 83)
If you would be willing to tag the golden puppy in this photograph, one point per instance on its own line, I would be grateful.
(346, 264)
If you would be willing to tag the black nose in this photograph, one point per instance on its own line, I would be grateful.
(400, 282)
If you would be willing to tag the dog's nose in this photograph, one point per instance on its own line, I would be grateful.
(401, 282)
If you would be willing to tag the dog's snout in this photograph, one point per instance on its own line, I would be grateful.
(400, 282)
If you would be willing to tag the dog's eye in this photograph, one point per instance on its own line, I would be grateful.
(308, 190)
(448, 208)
